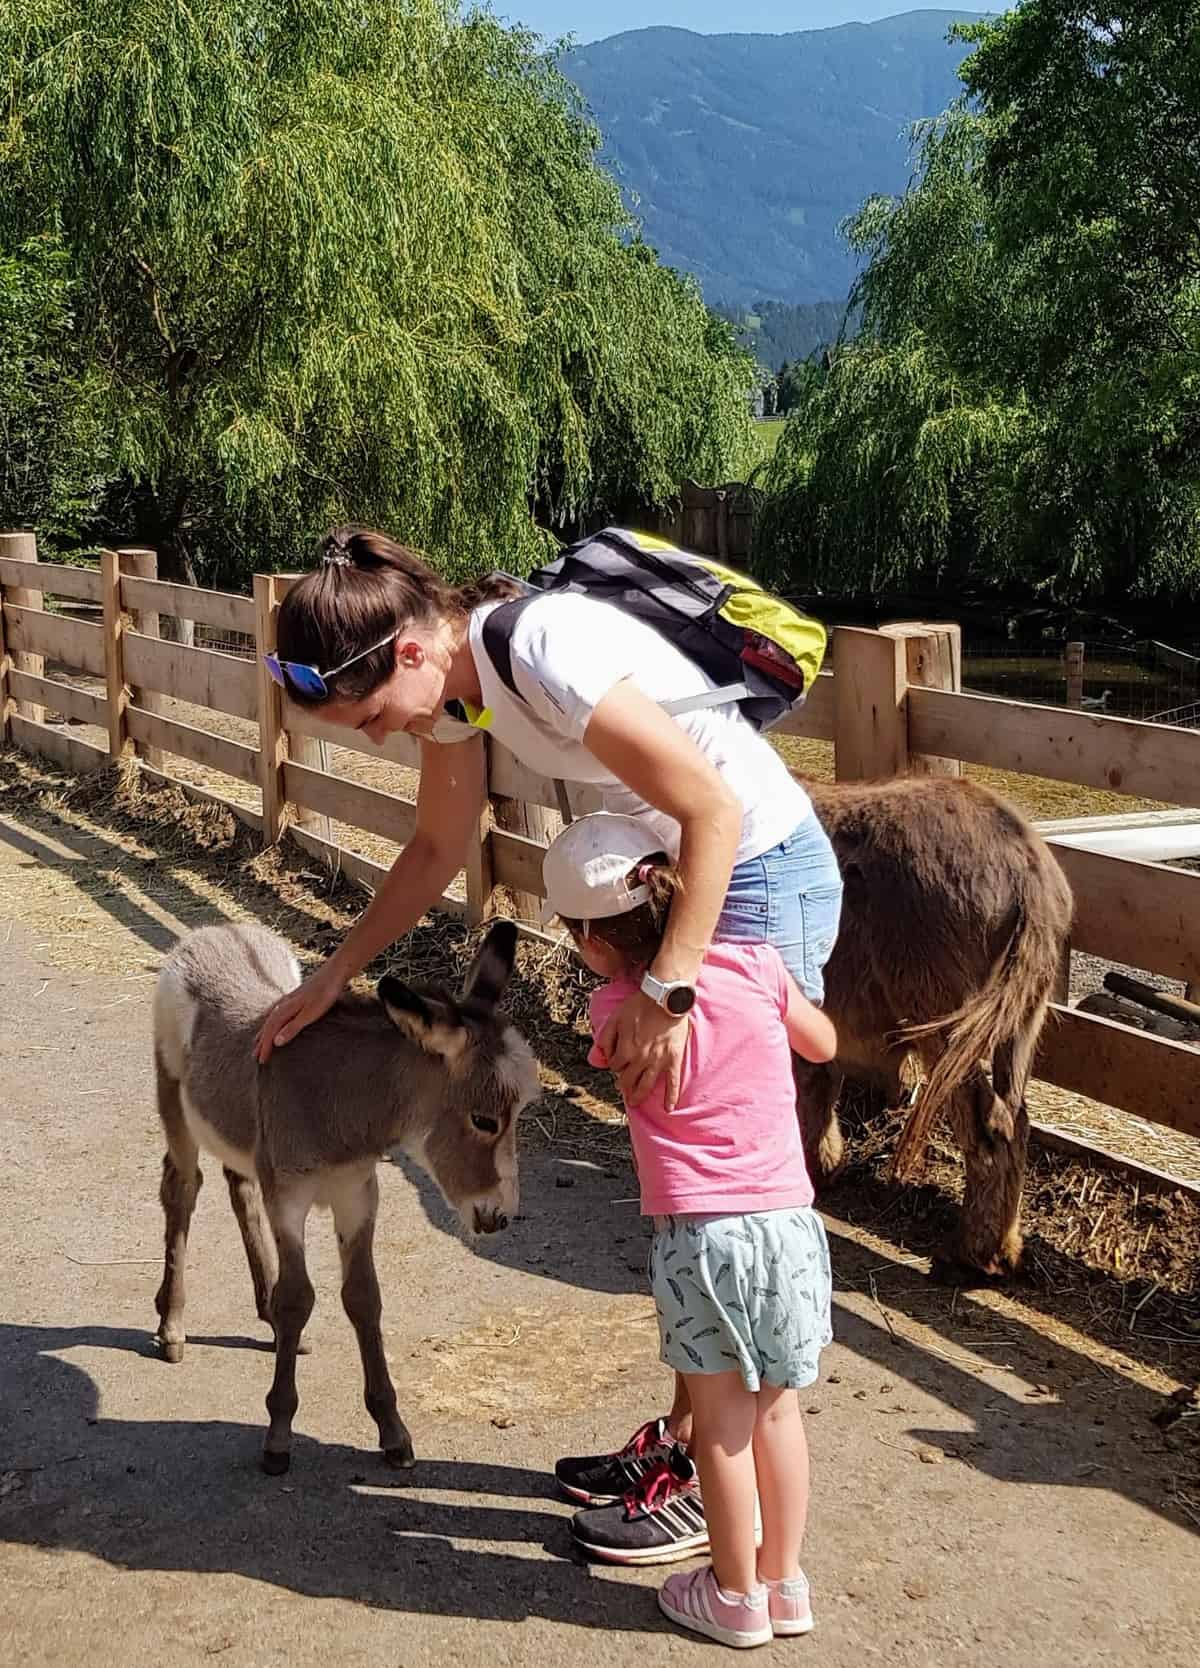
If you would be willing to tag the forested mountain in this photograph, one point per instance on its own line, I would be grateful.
(741, 154)
(776, 333)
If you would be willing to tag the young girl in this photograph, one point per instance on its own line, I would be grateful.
(739, 1263)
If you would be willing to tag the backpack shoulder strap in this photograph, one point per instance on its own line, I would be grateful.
(497, 643)
(497, 638)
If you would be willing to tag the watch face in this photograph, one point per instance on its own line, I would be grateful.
(680, 1000)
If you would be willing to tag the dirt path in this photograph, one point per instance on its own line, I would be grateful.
(986, 1490)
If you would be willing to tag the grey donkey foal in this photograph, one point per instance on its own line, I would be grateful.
(443, 1078)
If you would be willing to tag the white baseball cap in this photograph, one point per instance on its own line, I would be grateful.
(585, 870)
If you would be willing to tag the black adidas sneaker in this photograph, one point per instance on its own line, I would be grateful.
(659, 1520)
(601, 1479)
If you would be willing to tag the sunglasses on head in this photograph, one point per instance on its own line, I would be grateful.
(309, 681)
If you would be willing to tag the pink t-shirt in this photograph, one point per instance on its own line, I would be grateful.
(732, 1144)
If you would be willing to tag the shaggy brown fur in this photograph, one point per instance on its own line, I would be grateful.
(955, 921)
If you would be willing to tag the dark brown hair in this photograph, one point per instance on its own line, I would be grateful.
(365, 586)
(636, 935)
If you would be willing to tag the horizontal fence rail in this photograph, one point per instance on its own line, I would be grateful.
(1122, 755)
(204, 677)
(186, 602)
(74, 642)
(892, 704)
(1137, 913)
(204, 748)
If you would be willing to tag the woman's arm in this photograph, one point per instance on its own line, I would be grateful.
(449, 801)
(645, 748)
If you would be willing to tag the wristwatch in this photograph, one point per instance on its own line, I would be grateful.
(675, 996)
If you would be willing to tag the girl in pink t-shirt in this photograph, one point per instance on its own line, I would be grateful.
(739, 1263)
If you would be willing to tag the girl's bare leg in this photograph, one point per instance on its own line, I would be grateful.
(781, 1467)
(679, 1420)
(723, 1449)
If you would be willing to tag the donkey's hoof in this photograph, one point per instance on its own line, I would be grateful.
(275, 1464)
(401, 1457)
(949, 1269)
(172, 1352)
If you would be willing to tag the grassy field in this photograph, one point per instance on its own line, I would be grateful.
(767, 431)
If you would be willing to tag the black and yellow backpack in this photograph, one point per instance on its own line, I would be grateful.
(757, 649)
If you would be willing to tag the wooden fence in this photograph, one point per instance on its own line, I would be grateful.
(715, 521)
(891, 704)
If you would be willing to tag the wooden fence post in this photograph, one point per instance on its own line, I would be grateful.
(1074, 669)
(140, 563)
(721, 517)
(114, 652)
(5, 663)
(481, 881)
(304, 750)
(535, 822)
(870, 721)
(23, 548)
(272, 740)
(933, 660)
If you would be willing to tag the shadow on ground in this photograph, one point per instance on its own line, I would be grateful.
(187, 1495)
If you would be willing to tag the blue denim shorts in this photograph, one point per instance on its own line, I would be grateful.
(790, 897)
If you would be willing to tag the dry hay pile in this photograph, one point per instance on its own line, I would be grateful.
(1104, 1253)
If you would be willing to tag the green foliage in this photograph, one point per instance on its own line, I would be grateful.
(351, 258)
(1023, 403)
(48, 405)
(768, 432)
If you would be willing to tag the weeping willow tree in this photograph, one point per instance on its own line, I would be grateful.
(881, 477)
(49, 408)
(344, 258)
(1023, 403)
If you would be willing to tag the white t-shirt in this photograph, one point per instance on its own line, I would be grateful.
(568, 651)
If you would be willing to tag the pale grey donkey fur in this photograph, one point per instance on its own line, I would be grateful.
(443, 1078)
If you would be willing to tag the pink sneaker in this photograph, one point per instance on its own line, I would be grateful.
(788, 1605)
(696, 1601)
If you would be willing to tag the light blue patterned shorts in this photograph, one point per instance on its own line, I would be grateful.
(747, 1292)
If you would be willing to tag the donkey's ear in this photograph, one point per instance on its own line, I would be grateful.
(493, 965)
(432, 1024)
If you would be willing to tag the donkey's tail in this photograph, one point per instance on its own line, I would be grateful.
(1017, 986)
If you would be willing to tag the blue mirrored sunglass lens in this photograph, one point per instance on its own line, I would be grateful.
(305, 681)
(271, 662)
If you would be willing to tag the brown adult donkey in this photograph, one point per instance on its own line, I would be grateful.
(954, 930)
(443, 1078)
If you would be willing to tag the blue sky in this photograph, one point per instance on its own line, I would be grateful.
(592, 20)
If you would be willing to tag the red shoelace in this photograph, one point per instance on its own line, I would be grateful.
(653, 1490)
(647, 1436)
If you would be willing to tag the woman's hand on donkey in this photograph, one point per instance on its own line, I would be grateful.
(298, 1009)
